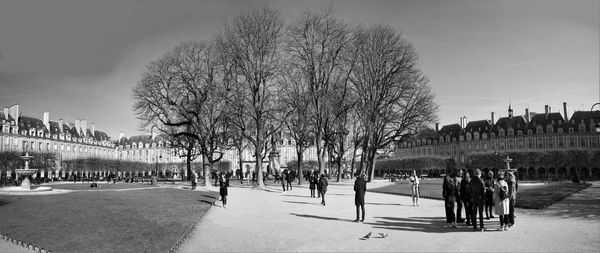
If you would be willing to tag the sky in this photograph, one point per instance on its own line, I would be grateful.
(80, 59)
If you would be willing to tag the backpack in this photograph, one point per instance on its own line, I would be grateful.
(503, 194)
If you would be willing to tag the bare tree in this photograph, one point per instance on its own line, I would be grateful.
(181, 93)
(298, 123)
(394, 99)
(316, 46)
(251, 43)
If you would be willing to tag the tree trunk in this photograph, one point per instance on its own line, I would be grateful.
(300, 151)
(320, 153)
(205, 170)
(352, 165)
(371, 164)
(240, 153)
(258, 154)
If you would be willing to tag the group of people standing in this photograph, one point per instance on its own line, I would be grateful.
(477, 194)
(319, 182)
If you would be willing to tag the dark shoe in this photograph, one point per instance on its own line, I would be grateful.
(355, 220)
(487, 218)
(363, 220)
(468, 223)
(491, 217)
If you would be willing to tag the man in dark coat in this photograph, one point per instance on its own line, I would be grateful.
(449, 192)
(323, 183)
(459, 202)
(477, 199)
(465, 196)
(360, 187)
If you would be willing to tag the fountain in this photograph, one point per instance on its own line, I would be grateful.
(27, 172)
(507, 161)
(25, 184)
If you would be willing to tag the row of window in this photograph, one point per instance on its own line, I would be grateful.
(510, 144)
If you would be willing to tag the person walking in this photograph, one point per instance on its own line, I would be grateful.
(414, 180)
(465, 195)
(288, 180)
(223, 184)
(489, 194)
(360, 187)
(323, 187)
(449, 194)
(283, 173)
(501, 200)
(312, 180)
(512, 196)
(477, 199)
(459, 202)
(194, 180)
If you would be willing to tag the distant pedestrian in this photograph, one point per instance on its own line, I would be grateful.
(459, 202)
(501, 200)
(414, 180)
(283, 180)
(223, 184)
(288, 180)
(312, 180)
(465, 195)
(489, 194)
(477, 199)
(449, 193)
(323, 187)
(360, 187)
(194, 180)
(512, 196)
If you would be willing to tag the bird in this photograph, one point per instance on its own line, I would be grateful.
(367, 236)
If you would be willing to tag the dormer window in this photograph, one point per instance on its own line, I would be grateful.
(469, 136)
(484, 136)
(571, 130)
(529, 132)
(560, 130)
(581, 128)
(549, 129)
(519, 132)
(32, 132)
(511, 132)
(492, 135)
(501, 132)
(540, 130)
(476, 135)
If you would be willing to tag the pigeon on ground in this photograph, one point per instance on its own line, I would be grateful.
(367, 236)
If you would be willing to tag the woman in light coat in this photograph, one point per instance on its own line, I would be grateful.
(502, 205)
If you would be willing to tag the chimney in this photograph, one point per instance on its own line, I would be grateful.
(121, 135)
(60, 125)
(527, 115)
(546, 110)
(14, 113)
(6, 113)
(47, 120)
(493, 121)
(84, 127)
(93, 129)
(77, 125)
(565, 109)
(437, 127)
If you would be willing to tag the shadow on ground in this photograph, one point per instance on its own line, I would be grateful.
(321, 217)
(302, 202)
(578, 205)
(420, 224)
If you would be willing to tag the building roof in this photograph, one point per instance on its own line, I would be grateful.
(482, 126)
(454, 130)
(26, 123)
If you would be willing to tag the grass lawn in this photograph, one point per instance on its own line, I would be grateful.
(151, 220)
(530, 196)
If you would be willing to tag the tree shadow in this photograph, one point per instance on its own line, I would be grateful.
(301, 202)
(320, 217)
(4, 202)
(297, 196)
(582, 205)
(417, 224)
